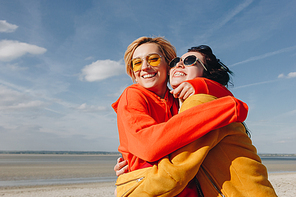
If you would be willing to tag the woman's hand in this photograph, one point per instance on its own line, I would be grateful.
(183, 91)
(121, 167)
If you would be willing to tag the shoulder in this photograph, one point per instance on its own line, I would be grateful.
(206, 86)
(131, 94)
(134, 96)
(135, 91)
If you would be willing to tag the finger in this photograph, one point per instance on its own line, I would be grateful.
(189, 92)
(175, 93)
(183, 92)
(125, 168)
(187, 95)
(178, 90)
(122, 170)
(119, 159)
(121, 165)
(117, 166)
(181, 95)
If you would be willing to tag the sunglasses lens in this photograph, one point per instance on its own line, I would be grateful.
(153, 59)
(137, 63)
(189, 60)
(174, 62)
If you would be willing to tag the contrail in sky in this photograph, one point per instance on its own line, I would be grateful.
(264, 55)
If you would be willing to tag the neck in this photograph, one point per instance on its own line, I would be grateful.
(161, 94)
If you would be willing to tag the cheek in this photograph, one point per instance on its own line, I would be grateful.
(137, 76)
(171, 72)
(194, 73)
(164, 70)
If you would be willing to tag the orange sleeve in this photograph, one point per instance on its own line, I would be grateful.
(142, 136)
(207, 86)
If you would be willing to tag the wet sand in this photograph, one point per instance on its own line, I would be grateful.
(284, 184)
(104, 189)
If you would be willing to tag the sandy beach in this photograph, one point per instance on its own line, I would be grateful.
(104, 189)
(284, 184)
(49, 175)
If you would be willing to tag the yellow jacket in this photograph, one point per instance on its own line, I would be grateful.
(224, 161)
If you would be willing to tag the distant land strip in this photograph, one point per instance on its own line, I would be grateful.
(111, 153)
(62, 152)
(276, 155)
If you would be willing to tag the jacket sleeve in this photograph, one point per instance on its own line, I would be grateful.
(172, 173)
(206, 86)
(151, 141)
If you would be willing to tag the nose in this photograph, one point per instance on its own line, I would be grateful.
(145, 65)
(180, 64)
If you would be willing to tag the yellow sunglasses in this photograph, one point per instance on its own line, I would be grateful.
(152, 59)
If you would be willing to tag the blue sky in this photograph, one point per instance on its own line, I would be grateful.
(62, 65)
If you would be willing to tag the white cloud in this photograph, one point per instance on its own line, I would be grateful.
(24, 105)
(14, 67)
(12, 49)
(102, 69)
(7, 27)
(290, 75)
(14, 100)
(91, 108)
(89, 58)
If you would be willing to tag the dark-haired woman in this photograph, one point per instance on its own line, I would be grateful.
(222, 163)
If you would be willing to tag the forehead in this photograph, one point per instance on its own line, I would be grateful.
(197, 54)
(145, 49)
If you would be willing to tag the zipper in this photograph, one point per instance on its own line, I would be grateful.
(212, 181)
(137, 180)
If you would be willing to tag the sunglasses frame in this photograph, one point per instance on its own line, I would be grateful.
(180, 59)
(146, 57)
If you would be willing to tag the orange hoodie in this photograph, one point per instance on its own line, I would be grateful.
(225, 161)
(150, 128)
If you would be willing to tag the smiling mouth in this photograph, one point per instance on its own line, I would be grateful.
(179, 74)
(148, 76)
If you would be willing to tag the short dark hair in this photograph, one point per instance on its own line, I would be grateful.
(216, 70)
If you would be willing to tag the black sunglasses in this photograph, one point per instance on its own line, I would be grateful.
(188, 61)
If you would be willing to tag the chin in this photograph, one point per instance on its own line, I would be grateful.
(176, 83)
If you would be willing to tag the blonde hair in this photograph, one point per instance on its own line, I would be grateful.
(167, 49)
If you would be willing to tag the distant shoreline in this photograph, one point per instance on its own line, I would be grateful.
(112, 153)
(277, 155)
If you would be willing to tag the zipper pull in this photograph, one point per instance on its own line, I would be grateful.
(140, 179)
